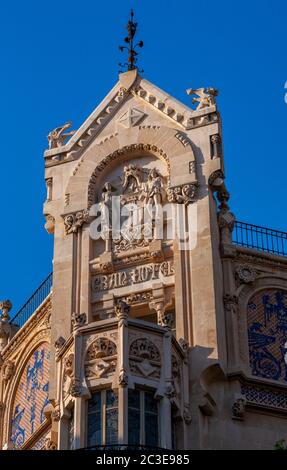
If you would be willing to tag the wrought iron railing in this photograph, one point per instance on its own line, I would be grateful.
(260, 238)
(33, 303)
(126, 447)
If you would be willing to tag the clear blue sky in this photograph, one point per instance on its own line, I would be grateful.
(60, 58)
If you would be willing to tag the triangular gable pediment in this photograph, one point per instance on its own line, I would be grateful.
(147, 95)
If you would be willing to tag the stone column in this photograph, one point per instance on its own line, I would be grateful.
(165, 405)
(122, 310)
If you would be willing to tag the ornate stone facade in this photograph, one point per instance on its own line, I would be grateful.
(184, 327)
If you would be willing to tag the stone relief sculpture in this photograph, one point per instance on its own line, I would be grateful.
(145, 358)
(141, 188)
(101, 358)
(57, 137)
(206, 97)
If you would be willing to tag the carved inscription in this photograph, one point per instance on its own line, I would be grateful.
(139, 274)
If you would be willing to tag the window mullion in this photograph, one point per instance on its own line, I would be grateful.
(142, 418)
(103, 417)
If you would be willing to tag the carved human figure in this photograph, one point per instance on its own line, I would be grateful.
(154, 187)
(132, 178)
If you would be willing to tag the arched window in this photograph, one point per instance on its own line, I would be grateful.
(267, 334)
(31, 398)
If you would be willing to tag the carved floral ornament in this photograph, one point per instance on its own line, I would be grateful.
(245, 273)
(101, 358)
(145, 358)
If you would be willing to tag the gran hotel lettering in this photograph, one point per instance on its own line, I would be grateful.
(139, 274)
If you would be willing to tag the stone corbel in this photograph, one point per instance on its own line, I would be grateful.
(156, 251)
(106, 262)
(59, 343)
(184, 194)
(207, 405)
(238, 408)
(73, 222)
(50, 224)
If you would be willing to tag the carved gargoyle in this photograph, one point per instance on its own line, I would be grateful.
(206, 97)
(57, 137)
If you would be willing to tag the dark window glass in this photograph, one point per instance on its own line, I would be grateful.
(95, 420)
(143, 418)
(111, 417)
(151, 420)
(134, 417)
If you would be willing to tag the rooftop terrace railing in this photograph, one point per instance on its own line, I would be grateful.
(33, 303)
(260, 238)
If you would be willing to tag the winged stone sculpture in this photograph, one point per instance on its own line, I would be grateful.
(57, 137)
(205, 97)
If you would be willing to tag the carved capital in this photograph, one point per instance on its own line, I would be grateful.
(170, 391)
(78, 320)
(8, 370)
(183, 344)
(123, 378)
(187, 416)
(216, 180)
(59, 343)
(75, 221)
(230, 303)
(56, 414)
(76, 388)
(122, 310)
(184, 194)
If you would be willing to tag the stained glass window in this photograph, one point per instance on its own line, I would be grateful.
(142, 418)
(103, 418)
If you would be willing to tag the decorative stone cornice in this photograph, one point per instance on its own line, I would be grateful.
(73, 222)
(184, 194)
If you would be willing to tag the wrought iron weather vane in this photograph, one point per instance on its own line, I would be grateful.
(131, 47)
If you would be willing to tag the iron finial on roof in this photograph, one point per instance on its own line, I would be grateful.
(131, 47)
